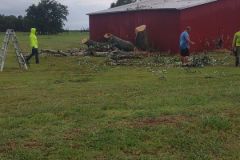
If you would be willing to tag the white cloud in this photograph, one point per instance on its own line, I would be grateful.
(77, 9)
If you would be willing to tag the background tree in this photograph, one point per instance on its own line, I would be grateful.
(13, 22)
(48, 16)
(121, 2)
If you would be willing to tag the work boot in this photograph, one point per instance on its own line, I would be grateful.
(26, 60)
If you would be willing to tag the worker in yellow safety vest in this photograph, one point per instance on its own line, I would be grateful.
(34, 46)
(236, 47)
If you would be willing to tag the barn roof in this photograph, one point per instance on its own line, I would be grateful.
(155, 4)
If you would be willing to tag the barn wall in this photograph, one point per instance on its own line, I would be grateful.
(210, 22)
(162, 26)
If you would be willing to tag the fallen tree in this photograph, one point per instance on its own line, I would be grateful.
(114, 47)
(119, 43)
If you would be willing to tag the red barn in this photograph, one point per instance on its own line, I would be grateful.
(212, 21)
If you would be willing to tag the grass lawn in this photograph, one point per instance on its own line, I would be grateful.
(81, 108)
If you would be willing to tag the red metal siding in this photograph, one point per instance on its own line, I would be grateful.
(162, 27)
(210, 22)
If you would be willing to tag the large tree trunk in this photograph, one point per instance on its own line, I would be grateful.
(119, 43)
(141, 38)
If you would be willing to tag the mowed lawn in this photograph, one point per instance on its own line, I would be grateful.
(80, 108)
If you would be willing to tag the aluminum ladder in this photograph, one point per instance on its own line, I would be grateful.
(11, 36)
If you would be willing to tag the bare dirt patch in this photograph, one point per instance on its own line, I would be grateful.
(75, 146)
(137, 153)
(10, 146)
(132, 152)
(231, 113)
(32, 144)
(163, 120)
(71, 134)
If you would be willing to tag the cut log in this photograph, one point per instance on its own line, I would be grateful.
(141, 38)
(119, 43)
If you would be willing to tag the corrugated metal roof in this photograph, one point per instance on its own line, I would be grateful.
(156, 4)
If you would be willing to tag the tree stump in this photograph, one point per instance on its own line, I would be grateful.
(141, 38)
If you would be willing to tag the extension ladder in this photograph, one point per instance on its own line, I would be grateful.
(11, 35)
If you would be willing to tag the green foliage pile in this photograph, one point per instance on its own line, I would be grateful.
(202, 60)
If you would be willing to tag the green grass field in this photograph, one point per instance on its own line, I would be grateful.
(80, 108)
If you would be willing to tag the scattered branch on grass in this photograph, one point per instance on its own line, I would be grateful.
(202, 60)
(215, 74)
(161, 74)
(60, 53)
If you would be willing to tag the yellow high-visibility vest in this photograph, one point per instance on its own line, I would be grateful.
(237, 39)
(33, 38)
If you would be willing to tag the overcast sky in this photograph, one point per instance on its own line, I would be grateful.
(77, 9)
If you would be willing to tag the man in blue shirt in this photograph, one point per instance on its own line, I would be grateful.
(185, 45)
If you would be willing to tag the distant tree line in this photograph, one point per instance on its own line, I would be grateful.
(122, 2)
(17, 23)
(48, 17)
